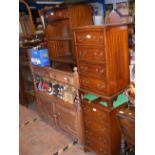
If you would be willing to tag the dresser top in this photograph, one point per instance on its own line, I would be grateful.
(102, 26)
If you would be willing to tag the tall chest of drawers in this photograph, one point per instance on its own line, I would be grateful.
(102, 58)
(103, 66)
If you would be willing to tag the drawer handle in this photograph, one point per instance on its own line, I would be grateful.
(100, 86)
(94, 109)
(66, 79)
(100, 72)
(88, 36)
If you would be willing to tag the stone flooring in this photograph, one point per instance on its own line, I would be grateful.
(39, 138)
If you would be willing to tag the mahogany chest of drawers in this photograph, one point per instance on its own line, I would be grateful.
(101, 131)
(102, 58)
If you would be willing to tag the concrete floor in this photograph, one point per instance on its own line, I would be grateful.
(39, 138)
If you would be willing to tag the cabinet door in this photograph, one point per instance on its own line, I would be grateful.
(45, 108)
(67, 119)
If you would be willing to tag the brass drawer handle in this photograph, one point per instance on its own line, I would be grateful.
(100, 86)
(88, 36)
(66, 79)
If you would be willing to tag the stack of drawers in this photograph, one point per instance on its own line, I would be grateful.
(100, 129)
(102, 57)
(103, 66)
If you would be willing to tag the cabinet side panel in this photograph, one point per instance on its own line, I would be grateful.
(118, 57)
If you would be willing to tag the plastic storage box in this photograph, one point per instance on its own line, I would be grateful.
(39, 57)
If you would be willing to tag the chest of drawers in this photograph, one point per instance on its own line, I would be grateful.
(101, 132)
(102, 58)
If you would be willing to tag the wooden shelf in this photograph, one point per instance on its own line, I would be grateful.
(65, 59)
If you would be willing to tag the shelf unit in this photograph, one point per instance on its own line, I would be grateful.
(59, 22)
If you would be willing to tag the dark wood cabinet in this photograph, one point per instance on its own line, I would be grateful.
(101, 131)
(59, 22)
(102, 58)
(26, 85)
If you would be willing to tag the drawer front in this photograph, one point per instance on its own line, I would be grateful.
(93, 114)
(97, 127)
(96, 137)
(59, 14)
(62, 78)
(98, 71)
(94, 85)
(90, 37)
(99, 148)
(91, 54)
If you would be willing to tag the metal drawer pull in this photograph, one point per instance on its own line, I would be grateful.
(94, 109)
(88, 36)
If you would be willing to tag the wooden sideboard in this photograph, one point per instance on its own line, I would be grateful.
(102, 58)
(57, 111)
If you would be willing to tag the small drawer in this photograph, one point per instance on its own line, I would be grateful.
(96, 55)
(90, 37)
(94, 85)
(58, 14)
(62, 78)
(100, 138)
(98, 71)
(96, 126)
(94, 114)
(97, 147)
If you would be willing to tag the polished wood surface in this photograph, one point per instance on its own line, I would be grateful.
(102, 57)
(59, 23)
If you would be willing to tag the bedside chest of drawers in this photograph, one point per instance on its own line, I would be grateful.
(101, 130)
(102, 58)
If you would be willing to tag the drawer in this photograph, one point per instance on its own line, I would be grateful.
(98, 71)
(94, 85)
(58, 14)
(62, 78)
(91, 54)
(96, 126)
(96, 137)
(93, 114)
(90, 37)
(99, 148)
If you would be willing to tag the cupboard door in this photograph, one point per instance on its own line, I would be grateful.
(45, 108)
(67, 119)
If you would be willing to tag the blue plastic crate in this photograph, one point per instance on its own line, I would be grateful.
(39, 57)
